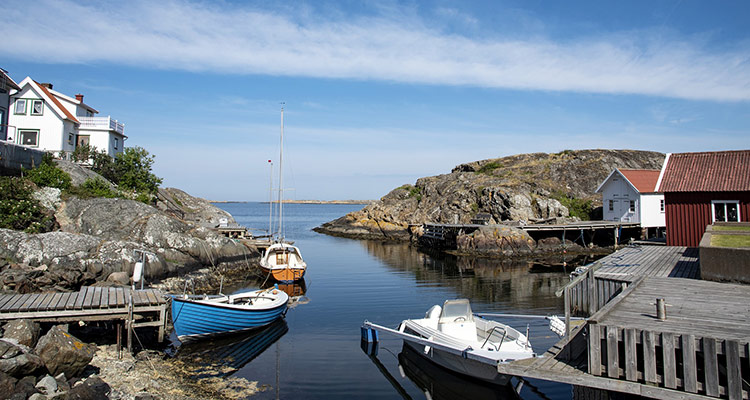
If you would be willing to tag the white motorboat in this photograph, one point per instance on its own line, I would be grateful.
(454, 338)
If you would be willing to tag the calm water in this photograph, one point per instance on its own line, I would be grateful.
(316, 354)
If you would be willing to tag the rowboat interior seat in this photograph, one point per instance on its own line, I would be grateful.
(457, 320)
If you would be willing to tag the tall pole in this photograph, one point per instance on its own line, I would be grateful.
(270, 199)
(281, 174)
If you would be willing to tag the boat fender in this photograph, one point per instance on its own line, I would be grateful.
(369, 335)
(433, 312)
(137, 272)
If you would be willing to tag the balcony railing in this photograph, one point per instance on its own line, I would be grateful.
(102, 123)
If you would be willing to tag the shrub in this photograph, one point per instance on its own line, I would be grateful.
(18, 210)
(47, 174)
(580, 208)
(130, 170)
(83, 152)
(489, 167)
(95, 187)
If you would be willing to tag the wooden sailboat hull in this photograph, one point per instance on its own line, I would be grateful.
(284, 274)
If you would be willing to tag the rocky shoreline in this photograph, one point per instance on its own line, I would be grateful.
(93, 244)
(525, 188)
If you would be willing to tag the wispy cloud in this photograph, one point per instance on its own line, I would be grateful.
(228, 38)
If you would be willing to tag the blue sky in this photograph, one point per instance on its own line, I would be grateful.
(381, 93)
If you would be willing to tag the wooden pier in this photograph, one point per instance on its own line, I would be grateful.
(137, 308)
(616, 271)
(444, 235)
(698, 348)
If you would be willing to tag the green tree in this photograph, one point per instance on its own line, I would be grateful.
(130, 170)
(134, 168)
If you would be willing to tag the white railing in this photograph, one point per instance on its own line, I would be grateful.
(102, 123)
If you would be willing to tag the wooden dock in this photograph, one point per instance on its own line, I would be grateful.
(616, 271)
(444, 235)
(142, 307)
(701, 349)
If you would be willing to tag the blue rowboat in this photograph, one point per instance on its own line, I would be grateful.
(196, 317)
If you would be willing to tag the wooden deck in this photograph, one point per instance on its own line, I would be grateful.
(89, 304)
(701, 349)
(632, 262)
(617, 270)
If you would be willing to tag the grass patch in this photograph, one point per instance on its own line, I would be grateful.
(580, 208)
(413, 191)
(731, 228)
(489, 167)
(730, 240)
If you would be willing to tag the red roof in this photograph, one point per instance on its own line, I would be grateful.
(644, 180)
(717, 171)
(57, 103)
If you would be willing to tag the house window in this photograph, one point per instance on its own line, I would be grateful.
(725, 210)
(117, 143)
(20, 106)
(611, 205)
(661, 205)
(71, 139)
(37, 107)
(29, 138)
(632, 206)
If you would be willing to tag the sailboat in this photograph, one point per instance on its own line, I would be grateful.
(282, 261)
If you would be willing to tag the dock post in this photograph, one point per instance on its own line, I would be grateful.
(617, 238)
(118, 327)
(661, 309)
(567, 312)
(129, 323)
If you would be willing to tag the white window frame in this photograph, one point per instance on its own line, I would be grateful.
(15, 107)
(661, 205)
(611, 205)
(116, 145)
(631, 206)
(71, 138)
(725, 202)
(19, 136)
(41, 106)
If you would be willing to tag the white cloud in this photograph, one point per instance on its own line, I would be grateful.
(223, 37)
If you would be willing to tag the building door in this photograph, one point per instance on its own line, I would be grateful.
(3, 123)
(82, 140)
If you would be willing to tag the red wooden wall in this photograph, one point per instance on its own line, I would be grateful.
(688, 214)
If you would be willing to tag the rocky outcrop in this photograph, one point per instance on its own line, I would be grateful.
(526, 187)
(63, 353)
(80, 174)
(191, 209)
(99, 238)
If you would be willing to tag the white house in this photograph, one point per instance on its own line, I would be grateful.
(43, 118)
(6, 85)
(629, 195)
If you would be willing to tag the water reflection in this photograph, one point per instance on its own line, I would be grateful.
(435, 382)
(438, 383)
(294, 290)
(518, 284)
(226, 355)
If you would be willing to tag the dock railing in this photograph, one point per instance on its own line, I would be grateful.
(702, 365)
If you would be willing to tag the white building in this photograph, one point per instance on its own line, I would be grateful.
(43, 118)
(629, 195)
(6, 86)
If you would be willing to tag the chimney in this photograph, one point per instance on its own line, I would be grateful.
(79, 97)
(47, 85)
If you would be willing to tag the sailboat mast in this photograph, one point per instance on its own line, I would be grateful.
(270, 199)
(281, 174)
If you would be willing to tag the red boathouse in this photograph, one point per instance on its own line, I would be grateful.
(703, 188)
